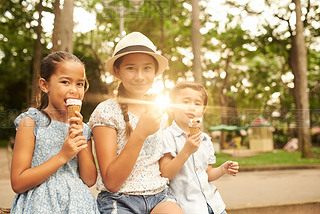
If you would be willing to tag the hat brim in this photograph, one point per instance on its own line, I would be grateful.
(162, 62)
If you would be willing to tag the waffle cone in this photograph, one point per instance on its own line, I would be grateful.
(72, 109)
(194, 130)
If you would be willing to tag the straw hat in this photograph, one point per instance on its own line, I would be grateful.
(136, 42)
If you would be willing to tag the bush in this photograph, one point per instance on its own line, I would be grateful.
(280, 140)
(4, 143)
(7, 128)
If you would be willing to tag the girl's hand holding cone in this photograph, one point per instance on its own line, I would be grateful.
(73, 144)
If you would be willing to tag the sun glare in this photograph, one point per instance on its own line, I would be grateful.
(162, 101)
(84, 21)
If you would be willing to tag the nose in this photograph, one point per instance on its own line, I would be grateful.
(139, 74)
(192, 107)
(73, 89)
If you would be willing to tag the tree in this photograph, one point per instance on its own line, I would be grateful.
(228, 73)
(16, 50)
(298, 64)
(62, 37)
(196, 41)
(37, 58)
(286, 44)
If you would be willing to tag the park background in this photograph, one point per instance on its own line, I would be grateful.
(255, 57)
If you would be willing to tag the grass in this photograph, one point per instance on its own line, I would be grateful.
(4, 143)
(277, 157)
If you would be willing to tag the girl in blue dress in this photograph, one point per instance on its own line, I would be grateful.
(52, 163)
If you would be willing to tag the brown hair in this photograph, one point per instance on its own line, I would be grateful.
(187, 84)
(174, 92)
(122, 94)
(48, 67)
(124, 109)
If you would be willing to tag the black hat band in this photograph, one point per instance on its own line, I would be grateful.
(134, 48)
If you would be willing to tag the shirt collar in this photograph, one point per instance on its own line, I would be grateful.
(177, 131)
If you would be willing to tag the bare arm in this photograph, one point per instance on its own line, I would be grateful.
(229, 167)
(116, 169)
(23, 177)
(87, 167)
(170, 166)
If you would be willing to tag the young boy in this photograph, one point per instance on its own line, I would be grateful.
(187, 159)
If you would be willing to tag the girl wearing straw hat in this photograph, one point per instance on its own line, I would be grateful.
(128, 137)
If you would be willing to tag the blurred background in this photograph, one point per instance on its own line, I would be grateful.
(257, 59)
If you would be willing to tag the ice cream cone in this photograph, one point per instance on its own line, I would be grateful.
(194, 126)
(194, 130)
(73, 105)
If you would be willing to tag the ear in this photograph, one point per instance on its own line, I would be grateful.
(116, 71)
(43, 84)
(204, 110)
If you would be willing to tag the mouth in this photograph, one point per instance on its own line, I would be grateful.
(65, 100)
(140, 85)
(191, 116)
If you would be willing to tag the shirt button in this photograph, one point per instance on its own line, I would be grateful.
(197, 169)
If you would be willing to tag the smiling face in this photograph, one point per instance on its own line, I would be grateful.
(137, 73)
(188, 104)
(67, 82)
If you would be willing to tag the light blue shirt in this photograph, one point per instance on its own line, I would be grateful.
(191, 186)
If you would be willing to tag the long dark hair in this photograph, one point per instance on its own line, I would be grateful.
(122, 94)
(48, 67)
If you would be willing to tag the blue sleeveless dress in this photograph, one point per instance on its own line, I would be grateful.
(63, 191)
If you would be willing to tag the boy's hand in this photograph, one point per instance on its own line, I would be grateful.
(230, 168)
(192, 143)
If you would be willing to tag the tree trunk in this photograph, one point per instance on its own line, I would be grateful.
(223, 101)
(62, 37)
(299, 68)
(162, 40)
(196, 41)
(56, 26)
(37, 59)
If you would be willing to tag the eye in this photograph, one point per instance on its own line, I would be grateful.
(81, 84)
(66, 82)
(130, 68)
(198, 104)
(185, 102)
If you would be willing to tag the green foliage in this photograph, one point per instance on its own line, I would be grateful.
(15, 66)
(259, 59)
(4, 143)
(16, 50)
(280, 139)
